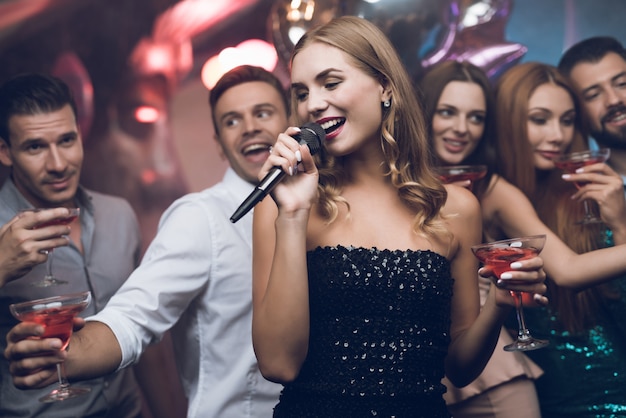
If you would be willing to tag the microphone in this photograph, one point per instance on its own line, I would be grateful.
(310, 134)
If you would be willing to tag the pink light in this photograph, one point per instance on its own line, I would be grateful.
(251, 52)
(148, 176)
(146, 114)
(158, 59)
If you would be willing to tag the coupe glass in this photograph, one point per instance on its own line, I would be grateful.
(575, 160)
(49, 279)
(456, 173)
(499, 255)
(56, 315)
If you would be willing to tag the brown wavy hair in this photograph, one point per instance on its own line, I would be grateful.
(403, 134)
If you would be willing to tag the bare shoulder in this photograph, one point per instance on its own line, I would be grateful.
(463, 219)
(501, 194)
(461, 202)
(501, 188)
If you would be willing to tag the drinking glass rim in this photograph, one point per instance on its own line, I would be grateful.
(50, 299)
(461, 167)
(508, 241)
(73, 211)
(570, 155)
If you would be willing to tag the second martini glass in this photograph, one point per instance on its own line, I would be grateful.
(49, 279)
(456, 173)
(575, 160)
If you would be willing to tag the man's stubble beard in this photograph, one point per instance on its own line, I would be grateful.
(608, 139)
(611, 140)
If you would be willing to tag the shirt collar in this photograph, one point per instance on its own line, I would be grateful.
(236, 184)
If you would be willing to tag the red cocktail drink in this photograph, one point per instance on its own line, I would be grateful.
(500, 258)
(57, 321)
(458, 173)
(571, 166)
(499, 255)
(575, 160)
(61, 221)
(56, 315)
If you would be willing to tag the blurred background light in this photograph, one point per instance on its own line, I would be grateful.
(250, 52)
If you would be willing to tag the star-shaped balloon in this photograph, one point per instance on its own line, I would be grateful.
(475, 33)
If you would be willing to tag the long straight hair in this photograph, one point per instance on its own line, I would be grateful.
(431, 86)
(549, 194)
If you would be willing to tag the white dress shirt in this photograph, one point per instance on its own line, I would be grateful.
(197, 277)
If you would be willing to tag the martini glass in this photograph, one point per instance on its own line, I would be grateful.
(56, 315)
(49, 279)
(456, 173)
(499, 255)
(575, 160)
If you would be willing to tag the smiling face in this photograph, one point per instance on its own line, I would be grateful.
(249, 117)
(551, 123)
(45, 156)
(602, 87)
(459, 121)
(340, 94)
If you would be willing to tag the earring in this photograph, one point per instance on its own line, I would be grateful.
(387, 103)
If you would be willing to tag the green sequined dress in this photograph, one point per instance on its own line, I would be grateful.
(585, 373)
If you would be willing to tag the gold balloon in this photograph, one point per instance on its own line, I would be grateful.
(290, 19)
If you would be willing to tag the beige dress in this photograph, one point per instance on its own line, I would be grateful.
(503, 366)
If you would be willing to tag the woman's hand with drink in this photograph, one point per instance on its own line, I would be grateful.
(23, 246)
(601, 183)
(525, 276)
(507, 254)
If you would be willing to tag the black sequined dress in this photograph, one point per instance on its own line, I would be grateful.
(379, 333)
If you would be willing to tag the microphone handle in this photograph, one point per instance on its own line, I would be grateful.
(312, 135)
(263, 189)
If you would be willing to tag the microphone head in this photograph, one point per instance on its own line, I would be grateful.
(312, 134)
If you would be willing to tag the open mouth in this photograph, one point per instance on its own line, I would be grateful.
(254, 149)
(332, 124)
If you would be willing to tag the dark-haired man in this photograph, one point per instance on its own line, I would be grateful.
(597, 68)
(196, 275)
(41, 144)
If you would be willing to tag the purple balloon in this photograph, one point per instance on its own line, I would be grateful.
(471, 31)
(476, 34)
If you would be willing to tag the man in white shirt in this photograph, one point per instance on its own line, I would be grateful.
(196, 276)
(597, 68)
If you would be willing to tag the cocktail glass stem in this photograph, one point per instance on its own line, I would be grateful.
(49, 275)
(63, 391)
(522, 333)
(590, 217)
(525, 341)
(61, 373)
(49, 279)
